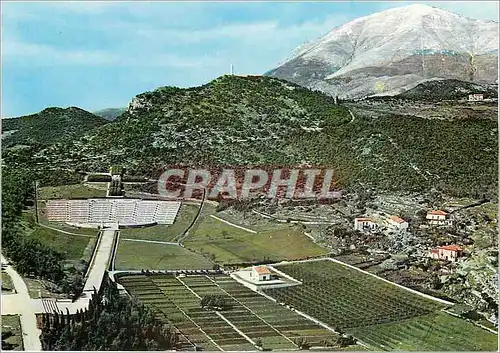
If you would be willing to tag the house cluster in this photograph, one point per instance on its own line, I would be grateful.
(448, 253)
(396, 223)
(368, 224)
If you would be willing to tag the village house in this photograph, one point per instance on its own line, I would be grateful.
(438, 217)
(476, 97)
(448, 252)
(260, 273)
(365, 224)
(397, 223)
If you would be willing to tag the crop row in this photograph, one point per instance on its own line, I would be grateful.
(344, 297)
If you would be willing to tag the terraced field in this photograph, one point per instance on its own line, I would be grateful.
(252, 317)
(376, 312)
(432, 332)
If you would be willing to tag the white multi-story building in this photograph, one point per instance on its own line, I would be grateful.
(438, 217)
(448, 253)
(476, 97)
(364, 224)
(397, 223)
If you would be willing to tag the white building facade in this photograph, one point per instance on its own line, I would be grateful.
(397, 223)
(260, 273)
(364, 224)
(438, 217)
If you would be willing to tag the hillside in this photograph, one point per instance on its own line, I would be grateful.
(437, 90)
(386, 51)
(48, 126)
(264, 121)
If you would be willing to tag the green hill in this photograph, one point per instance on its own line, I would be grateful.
(257, 120)
(48, 126)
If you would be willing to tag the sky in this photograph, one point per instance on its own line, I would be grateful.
(98, 55)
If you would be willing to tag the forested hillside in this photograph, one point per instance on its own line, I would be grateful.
(260, 120)
(48, 126)
(255, 121)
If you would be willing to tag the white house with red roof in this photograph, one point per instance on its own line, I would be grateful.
(448, 253)
(397, 223)
(260, 273)
(365, 224)
(438, 217)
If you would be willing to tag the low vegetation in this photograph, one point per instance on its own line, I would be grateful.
(12, 338)
(231, 245)
(132, 255)
(74, 191)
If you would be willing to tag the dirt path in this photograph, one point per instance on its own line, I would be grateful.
(151, 241)
(233, 225)
(65, 232)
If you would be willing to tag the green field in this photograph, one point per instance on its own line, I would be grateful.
(186, 214)
(375, 311)
(70, 192)
(7, 284)
(233, 245)
(12, 326)
(133, 255)
(432, 332)
(73, 247)
(70, 229)
(177, 301)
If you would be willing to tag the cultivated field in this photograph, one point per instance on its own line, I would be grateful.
(254, 316)
(374, 311)
(433, 332)
(132, 255)
(230, 244)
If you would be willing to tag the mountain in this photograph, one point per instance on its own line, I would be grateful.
(110, 113)
(48, 126)
(392, 49)
(263, 121)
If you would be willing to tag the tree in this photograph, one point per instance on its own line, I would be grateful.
(215, 302)
(258, 342)
(302, 343)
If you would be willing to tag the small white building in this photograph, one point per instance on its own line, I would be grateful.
(476, 97)
(260, 273)
(438, 217)
(397, 223)
(365, 224)
(448, 253)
